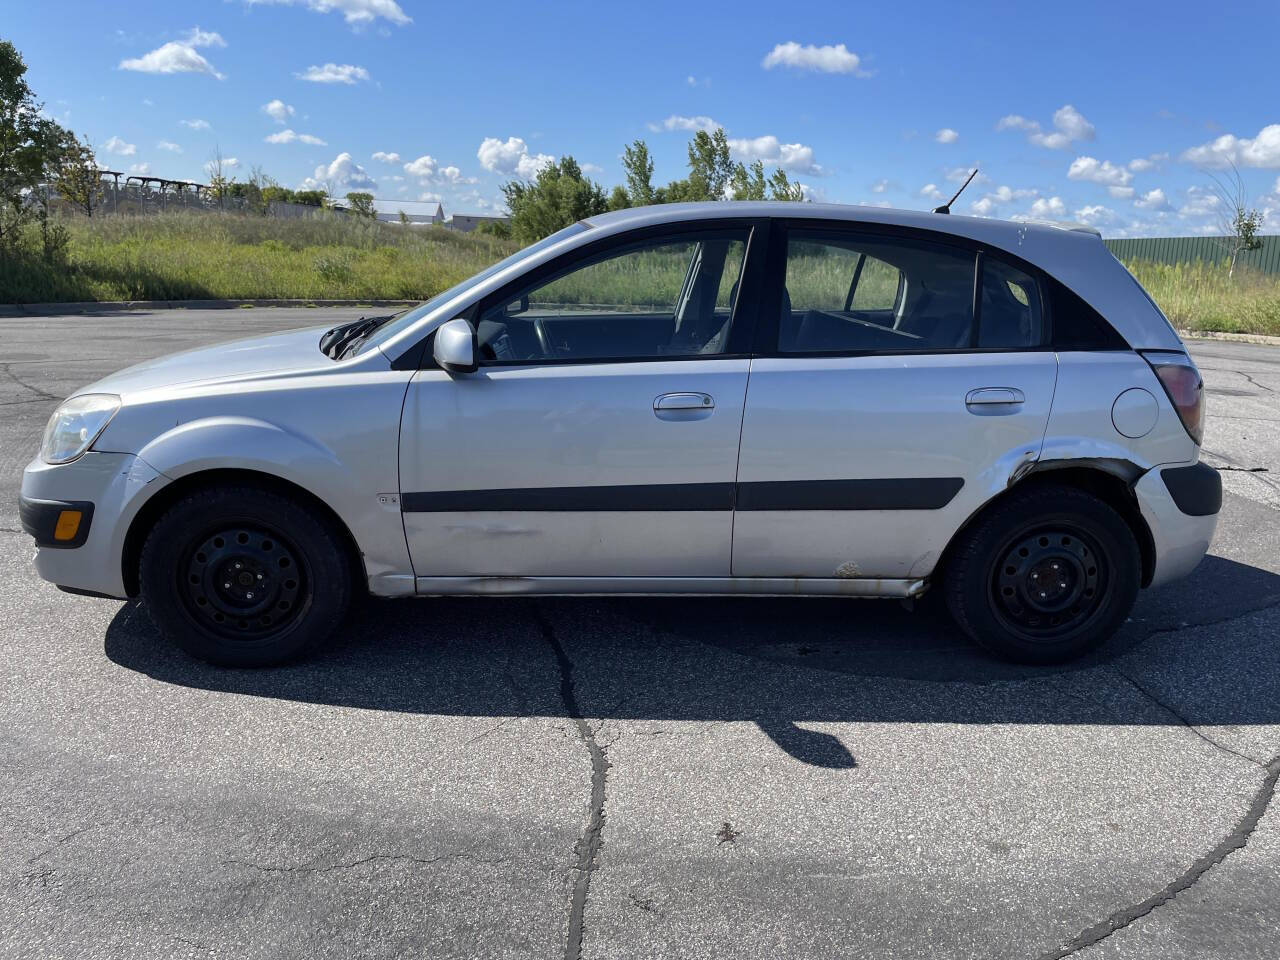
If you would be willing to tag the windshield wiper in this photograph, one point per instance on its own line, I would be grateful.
(339, 341)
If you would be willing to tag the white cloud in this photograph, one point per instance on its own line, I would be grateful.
(592, 168)
(1200, 203)
(511, 157)
(454, 176)
(355, 12)
(828, 58)
(1120, 193)
(676, 122)
(1153, 200)
(1098, 171)
(1095, 215)
(424, 167)
(230, 162)
(383, 157)
(340, 176)
(204, 38)
(288, 136)
(140, 168)
(1149, 162)
(119, 147)
(790, 156)
(946, 135)
(169, 145)
(881, 186)
(429, 197)
(334, 73)
(961, 174)
(1261, 151)
(930, 191)
(986, 205)
(178, 56)
(1069, 125)
(1045, 208)
(278, 110)
(195, 124)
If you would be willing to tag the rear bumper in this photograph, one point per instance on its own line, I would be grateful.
(110, 488)
(1180, 505)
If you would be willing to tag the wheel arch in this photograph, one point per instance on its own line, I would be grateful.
(1110, 481)
(171, 493)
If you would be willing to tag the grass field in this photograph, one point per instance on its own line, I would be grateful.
(181, 256)
(1201, 296)
(184, 255)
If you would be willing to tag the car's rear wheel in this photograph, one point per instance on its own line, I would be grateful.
(1045, 576)
(240, 576)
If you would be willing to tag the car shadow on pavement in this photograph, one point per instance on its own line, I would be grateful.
(778, 662)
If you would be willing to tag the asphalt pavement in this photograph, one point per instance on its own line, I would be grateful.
(639, 778)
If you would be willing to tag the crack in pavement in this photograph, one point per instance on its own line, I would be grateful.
(41, 394)
(1183, 720)
(589, 844)
(1235, 840)
(374, 858)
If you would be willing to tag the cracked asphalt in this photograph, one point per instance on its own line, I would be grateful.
(640, 778)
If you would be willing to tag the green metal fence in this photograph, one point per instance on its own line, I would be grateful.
(1265, 259)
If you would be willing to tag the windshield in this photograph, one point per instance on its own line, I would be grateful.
(407, 319)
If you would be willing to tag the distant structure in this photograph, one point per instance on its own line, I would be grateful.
(466, 222)
(430, 216)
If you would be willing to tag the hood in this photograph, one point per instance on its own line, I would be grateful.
(272, 354)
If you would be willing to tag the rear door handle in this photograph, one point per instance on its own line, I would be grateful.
(683, 401)
(994, 396)
(683, 406)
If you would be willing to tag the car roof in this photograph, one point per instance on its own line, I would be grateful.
(997, 232)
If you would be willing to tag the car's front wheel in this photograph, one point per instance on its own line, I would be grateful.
(1045, 576)
(241, 576)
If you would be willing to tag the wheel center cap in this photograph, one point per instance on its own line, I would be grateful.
(245, 579)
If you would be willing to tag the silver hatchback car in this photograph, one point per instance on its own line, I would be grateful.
(726, 398)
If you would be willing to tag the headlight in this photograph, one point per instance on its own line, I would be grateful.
(75, 425)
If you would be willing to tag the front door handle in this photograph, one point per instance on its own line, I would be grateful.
(994, 396)
(683, 406)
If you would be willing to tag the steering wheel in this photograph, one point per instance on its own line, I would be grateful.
(544, 341)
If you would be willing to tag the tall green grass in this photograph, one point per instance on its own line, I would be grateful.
(1201, 296)
(186, 255)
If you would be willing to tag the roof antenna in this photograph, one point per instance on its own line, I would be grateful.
(946, 207)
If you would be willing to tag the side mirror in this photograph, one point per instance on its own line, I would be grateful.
(517, 307)
(455, 346)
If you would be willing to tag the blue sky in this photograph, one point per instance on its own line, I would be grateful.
(1106, 113)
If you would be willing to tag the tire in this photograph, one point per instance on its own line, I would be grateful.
(1044, 576)
(290, 591)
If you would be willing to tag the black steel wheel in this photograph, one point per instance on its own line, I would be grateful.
(1049, 582)
(245, 577)
(1044, 575)
(244, 582)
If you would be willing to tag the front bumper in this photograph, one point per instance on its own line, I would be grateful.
(1180, 505)
(110, 488)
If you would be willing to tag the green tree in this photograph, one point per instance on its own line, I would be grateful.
(361, 204)
(748, 183)
(78, 178)
(30, 146)
(559, 196)
(639, 172)
(783, 188)
(619, 199)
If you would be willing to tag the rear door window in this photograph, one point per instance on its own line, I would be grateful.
(1010, 315)
(849, 294)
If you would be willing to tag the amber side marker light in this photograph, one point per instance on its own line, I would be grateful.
(68, 525)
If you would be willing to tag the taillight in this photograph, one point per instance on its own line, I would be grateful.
(1181, 381)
